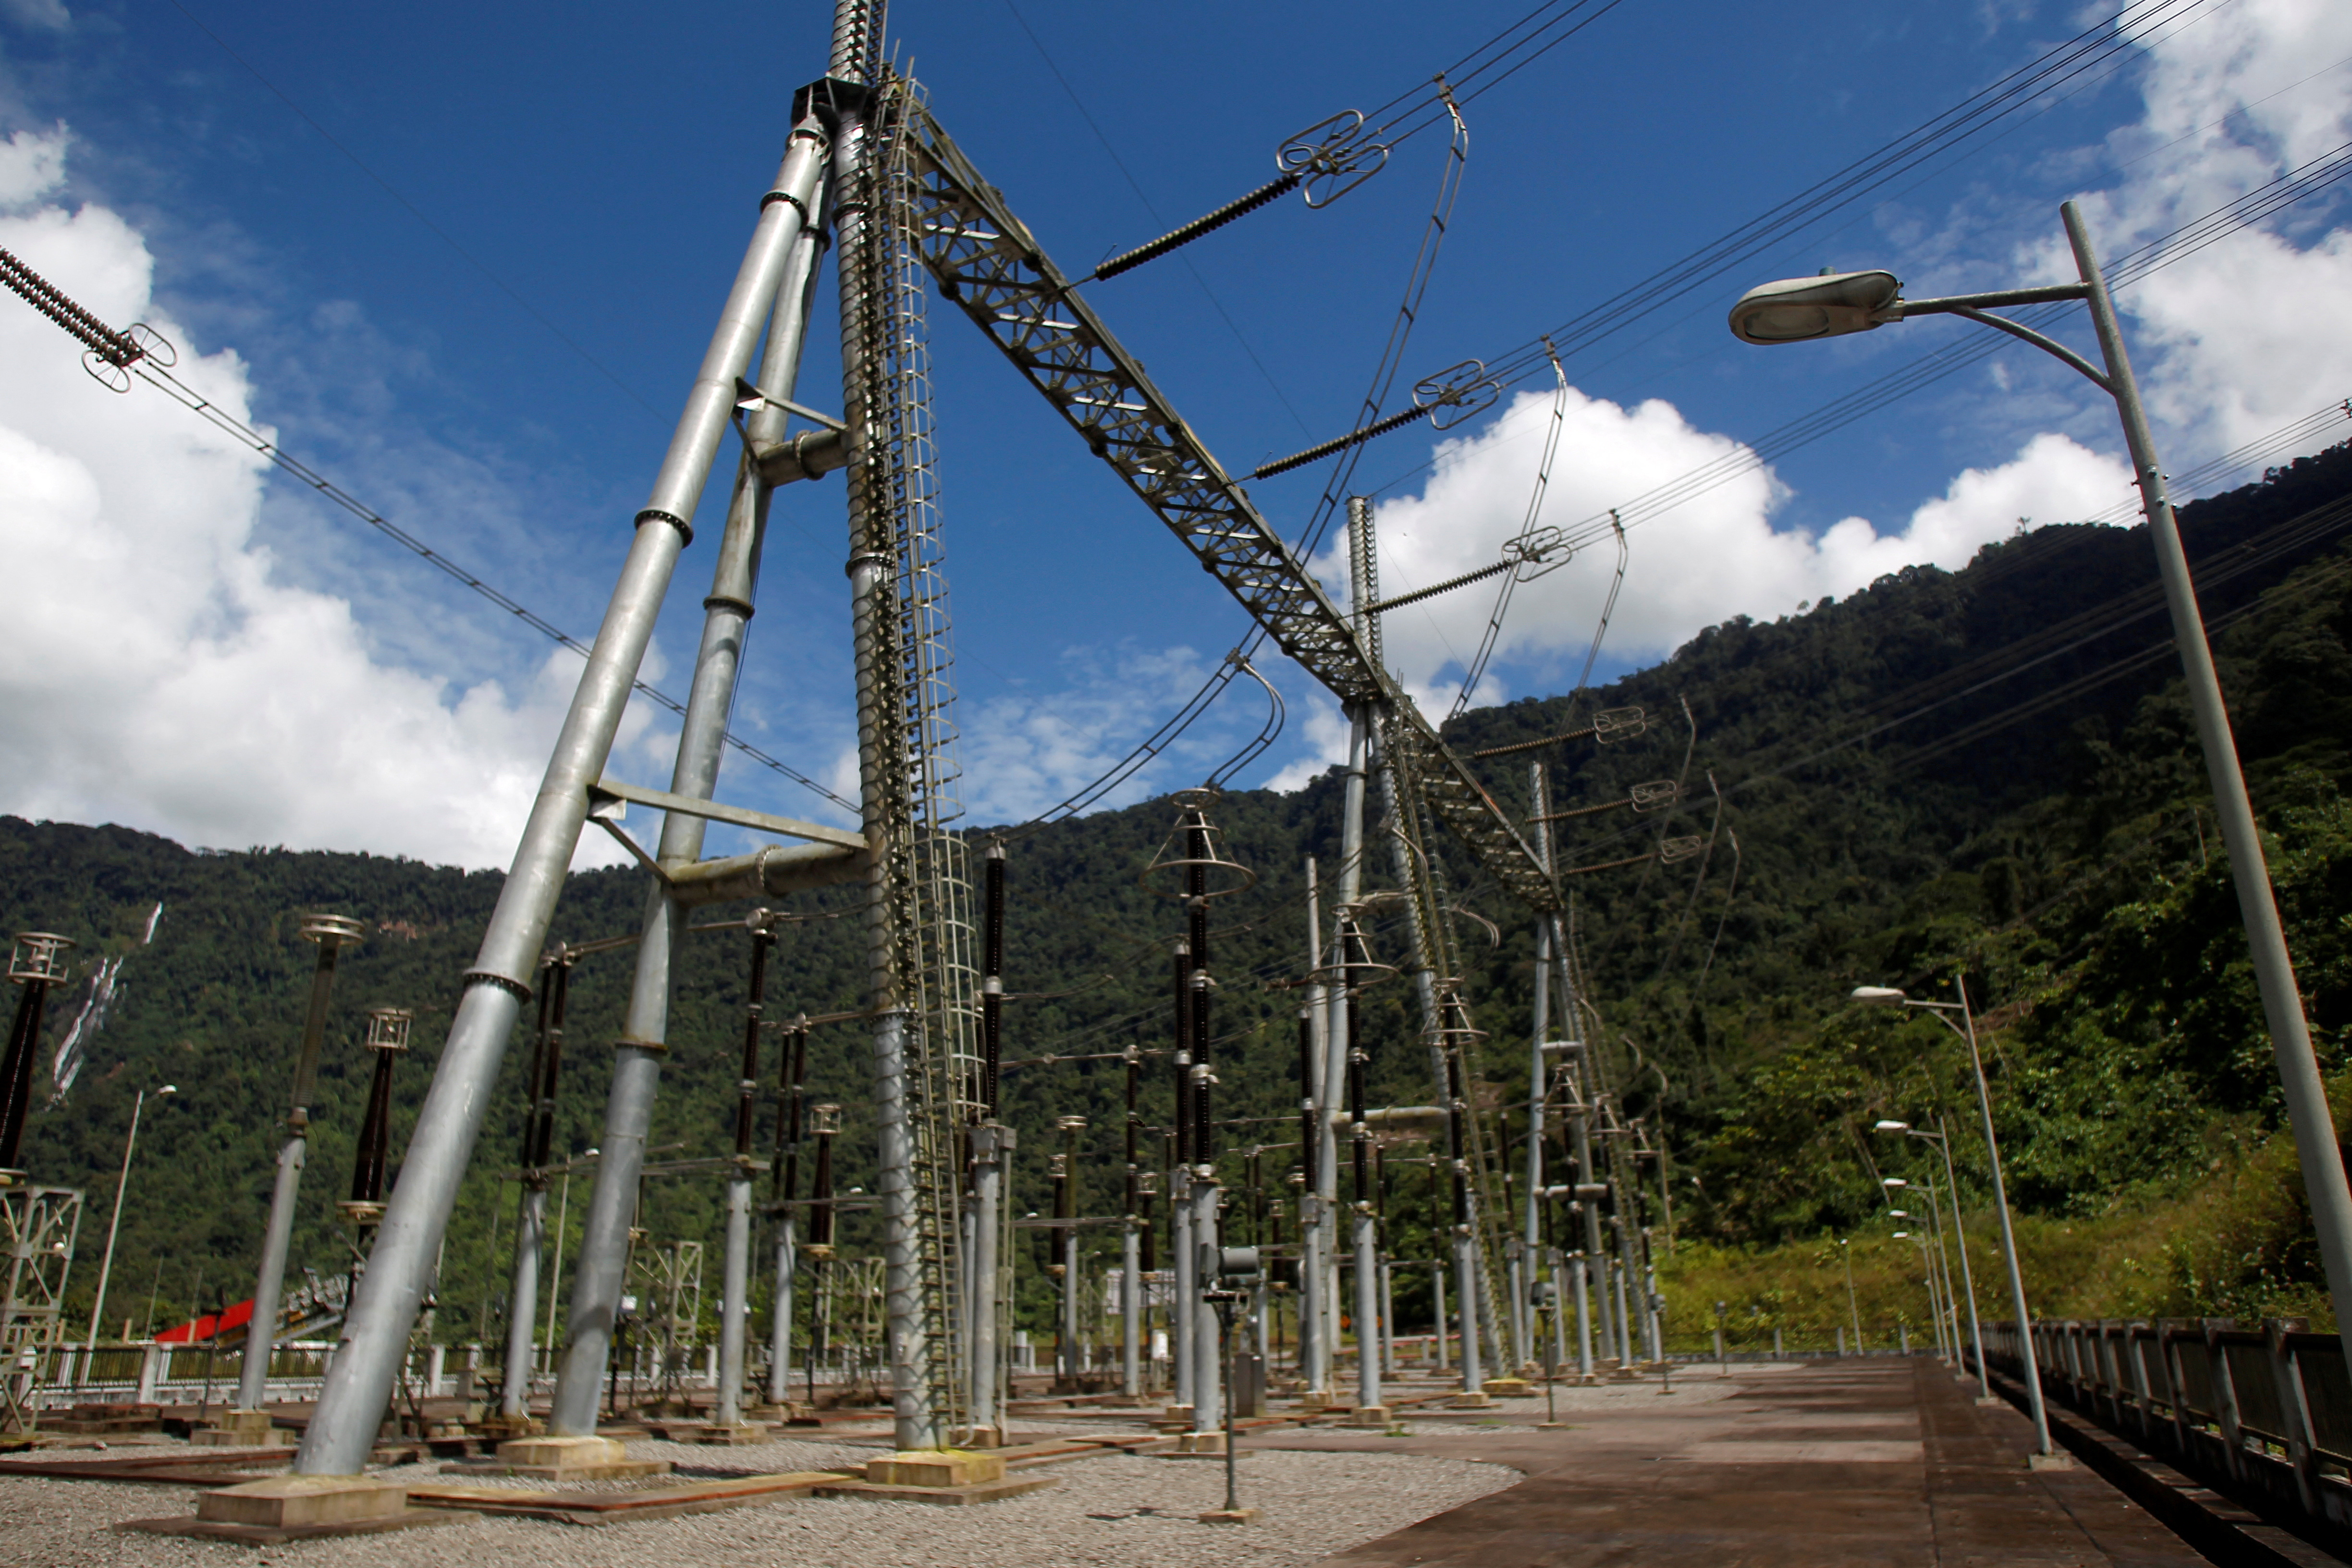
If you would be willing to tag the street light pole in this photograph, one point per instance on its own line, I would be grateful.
(114, 1226)
(1959, 1236)
(1944, 1266)
(1798, 309)
(1887, 995)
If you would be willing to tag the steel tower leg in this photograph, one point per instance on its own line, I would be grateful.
(883, 794)
(1335, 1045)
(375, 1335)
(599, 1279)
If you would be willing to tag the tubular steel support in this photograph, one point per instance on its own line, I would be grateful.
(531, 1222)
(792, 1072)
(1208, 1392)
(735, 1307)
(330, 932)
(1130, 1248)
(1335, 1040)
(638, 1054)
(992, 1149)
(359, 1380)
(1539, 1070)
(1313, 1358)
(2317, 1150)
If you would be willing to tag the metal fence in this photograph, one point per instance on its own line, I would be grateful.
(2262, 1415)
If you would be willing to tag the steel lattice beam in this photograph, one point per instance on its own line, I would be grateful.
(988, 263)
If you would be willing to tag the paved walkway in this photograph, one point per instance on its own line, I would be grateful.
(1816, 1464)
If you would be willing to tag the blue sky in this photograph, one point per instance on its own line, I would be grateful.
(463, 262)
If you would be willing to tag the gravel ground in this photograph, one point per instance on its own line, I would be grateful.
(1116, 1510)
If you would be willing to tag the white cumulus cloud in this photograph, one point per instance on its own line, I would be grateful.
(1717, 556)
(154, 671)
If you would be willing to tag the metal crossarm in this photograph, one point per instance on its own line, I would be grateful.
(988, 263)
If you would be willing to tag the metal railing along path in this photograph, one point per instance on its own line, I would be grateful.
(2262, 1415)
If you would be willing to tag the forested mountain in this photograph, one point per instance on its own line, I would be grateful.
(1988, 772)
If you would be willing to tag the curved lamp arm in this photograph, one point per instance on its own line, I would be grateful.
(2019, 330)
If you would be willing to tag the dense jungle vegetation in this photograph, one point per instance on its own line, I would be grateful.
(1987, 774)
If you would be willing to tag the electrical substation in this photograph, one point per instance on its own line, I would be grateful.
(984, 1252)
(1221, 1275)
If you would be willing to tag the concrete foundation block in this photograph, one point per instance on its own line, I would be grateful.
(947, 1497)
(562, 1454)
(1507, 1387)
(231, 1437)
(1230, 1516)
(304, 1501)
(775, 1413)
(1200, 1443)
(1479, 1401)
(2049, 1462)
(1367, 1415)
(740, 1434)
(935, 1467)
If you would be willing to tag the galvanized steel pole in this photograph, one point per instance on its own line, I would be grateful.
(1313, 1377)
(531, 1219)
(1335, 1039)
(1968, 1280)
(2008, 1232)
(359, 1381)
(638, 1054)
(330, 932)
(2316, 1148)
(992, 1147)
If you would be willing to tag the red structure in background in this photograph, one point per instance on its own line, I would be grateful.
(211, 1326)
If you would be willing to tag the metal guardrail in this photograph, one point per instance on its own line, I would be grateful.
(2261, 1414)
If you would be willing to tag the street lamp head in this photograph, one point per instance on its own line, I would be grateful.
(1899, 1213)
(1879, 995)
(1891, 1127)
(1795, 309)
(1892, 1182)
(169, 1089)
(1900, 1235)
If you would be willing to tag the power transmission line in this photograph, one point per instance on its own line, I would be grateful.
(163, 381)
(116, 356)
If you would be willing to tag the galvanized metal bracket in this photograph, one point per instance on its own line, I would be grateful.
(605, 793)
